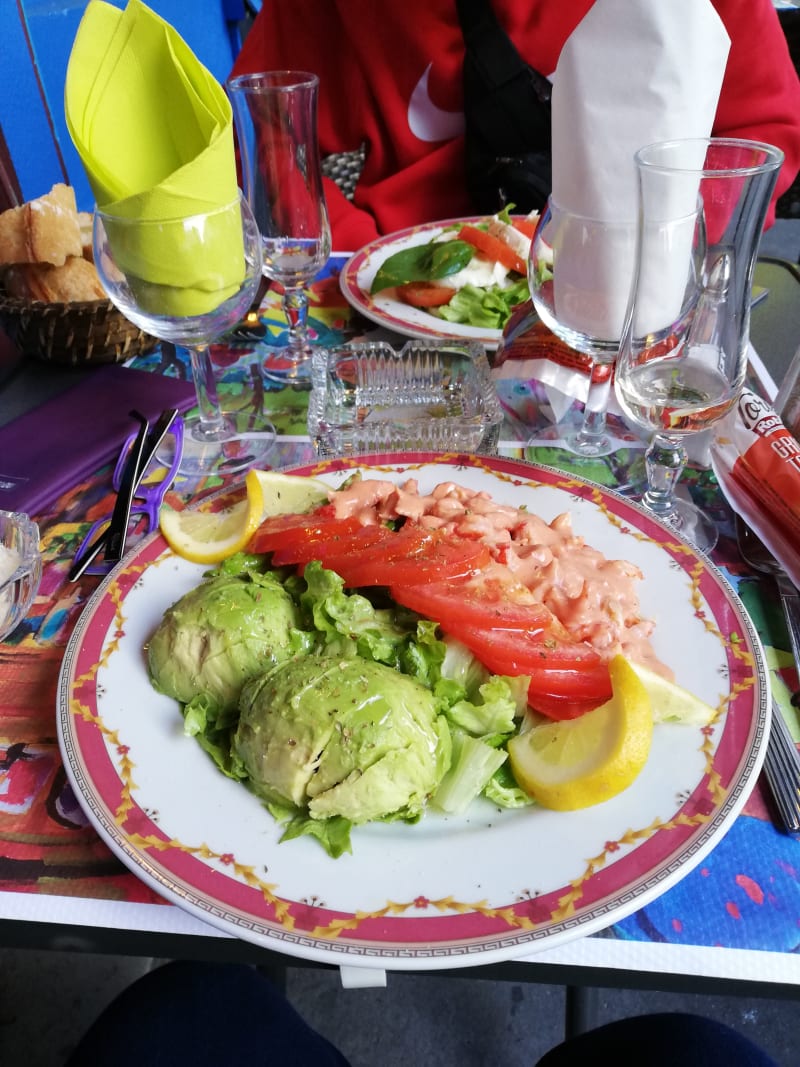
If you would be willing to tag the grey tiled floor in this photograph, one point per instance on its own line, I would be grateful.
(48, 999)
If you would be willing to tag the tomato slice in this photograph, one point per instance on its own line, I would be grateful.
(334, 546)
(411, 539)
(473, 602)
(456, 562)
(425, 294)
(561, 707)
(412, 556)
(566, 677)
(525, 226)
(493, 248)
(588, 682)
(316, 526)
(527, 650)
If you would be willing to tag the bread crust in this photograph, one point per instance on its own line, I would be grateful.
(45, 230)
(75, 280)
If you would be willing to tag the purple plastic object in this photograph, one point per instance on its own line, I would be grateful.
(58, 444)
(146, 501)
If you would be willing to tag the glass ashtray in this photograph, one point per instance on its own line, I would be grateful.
(426, 397)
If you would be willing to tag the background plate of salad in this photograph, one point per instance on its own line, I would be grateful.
(387, 309)
(488, 885)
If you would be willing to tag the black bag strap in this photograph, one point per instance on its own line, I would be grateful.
(506, 101)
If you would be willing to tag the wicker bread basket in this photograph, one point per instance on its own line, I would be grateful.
(77, 334)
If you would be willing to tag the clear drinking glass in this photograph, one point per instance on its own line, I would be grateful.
(579, 274)
(683, 354)
(189, 280)
(275, 114)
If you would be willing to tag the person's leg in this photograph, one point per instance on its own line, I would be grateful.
(202, 1013)
(660, 1040)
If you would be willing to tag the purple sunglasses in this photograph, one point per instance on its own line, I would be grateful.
(147, 498)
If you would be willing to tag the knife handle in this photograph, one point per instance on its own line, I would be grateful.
(790, 599)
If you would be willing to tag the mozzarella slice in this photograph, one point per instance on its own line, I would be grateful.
(479, 271)
(511, 236)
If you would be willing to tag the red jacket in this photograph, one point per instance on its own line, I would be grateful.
(390, 78)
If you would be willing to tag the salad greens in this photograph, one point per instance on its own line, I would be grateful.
(423, 263)
(488, 308)
(354, 711)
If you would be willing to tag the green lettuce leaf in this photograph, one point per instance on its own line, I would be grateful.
(486, 308)
(493, 712)
(472, 764)
(333, 833)
(502, 790)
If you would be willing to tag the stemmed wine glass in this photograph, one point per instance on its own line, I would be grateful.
(683, 354)
(579, 274)
(275, 113)
(188, 280)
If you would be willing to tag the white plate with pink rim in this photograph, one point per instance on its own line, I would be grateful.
(358, 274)
(483, 887)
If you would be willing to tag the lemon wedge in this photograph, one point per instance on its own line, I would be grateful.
(671, 702)
(287, 494)
(580, 762)
(210, 537)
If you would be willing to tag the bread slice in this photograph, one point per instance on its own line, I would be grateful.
(46, 230)
(86, 223)
(75, 280)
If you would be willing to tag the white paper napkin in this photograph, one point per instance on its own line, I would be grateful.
(633, 72)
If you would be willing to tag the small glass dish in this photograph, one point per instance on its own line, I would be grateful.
(426, 397)
(20, 568)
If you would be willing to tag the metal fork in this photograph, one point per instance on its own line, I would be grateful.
(756, 554)
(781, 761)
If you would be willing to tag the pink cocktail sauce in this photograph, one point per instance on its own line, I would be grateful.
(593, 597)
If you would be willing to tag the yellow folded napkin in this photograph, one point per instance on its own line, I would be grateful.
(154, 131)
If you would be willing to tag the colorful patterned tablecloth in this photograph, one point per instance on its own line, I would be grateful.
(745, 894)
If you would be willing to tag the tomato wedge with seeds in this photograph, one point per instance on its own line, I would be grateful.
(493, 248)
(425, 294)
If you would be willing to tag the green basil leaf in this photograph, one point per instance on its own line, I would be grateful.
(422, 263)
(449, 257)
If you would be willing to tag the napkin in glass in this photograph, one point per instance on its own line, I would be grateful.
(633, 72)
(154, 131)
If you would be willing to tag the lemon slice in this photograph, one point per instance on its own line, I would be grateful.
(287, 494)
(671, 702)
(210, 537)
(580, 762)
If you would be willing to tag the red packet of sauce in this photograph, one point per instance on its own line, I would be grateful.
(757, 463)
(528, 349)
